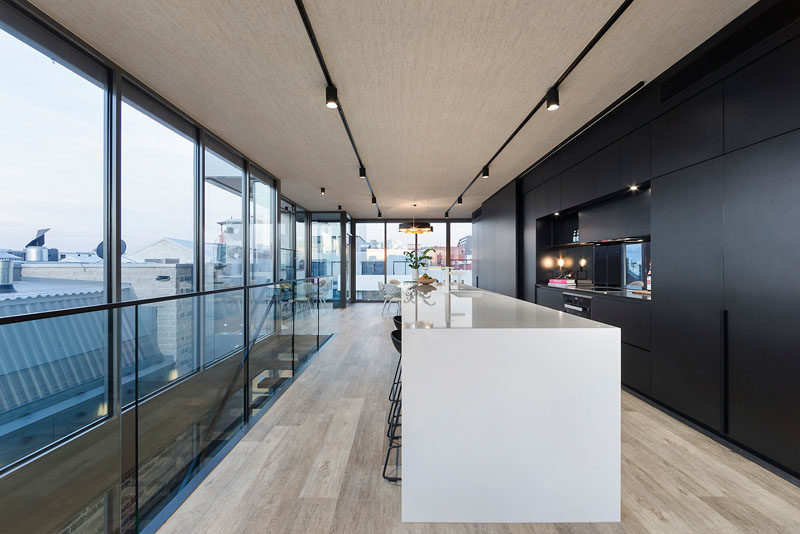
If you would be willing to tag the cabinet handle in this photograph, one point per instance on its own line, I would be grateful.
(724, 370)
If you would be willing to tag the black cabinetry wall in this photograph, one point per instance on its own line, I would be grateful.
(762, 218)
(723, 158)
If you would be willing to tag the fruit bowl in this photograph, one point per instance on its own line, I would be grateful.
(426, 281)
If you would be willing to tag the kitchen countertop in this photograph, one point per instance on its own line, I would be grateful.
(614, 293)
(470, 307)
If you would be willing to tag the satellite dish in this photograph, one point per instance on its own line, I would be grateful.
(100, 251)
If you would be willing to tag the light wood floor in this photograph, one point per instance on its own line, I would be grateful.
(313, 462)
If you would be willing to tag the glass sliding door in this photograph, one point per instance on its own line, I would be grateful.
(461, 249)
(437, 240)
(397, 242)
(370, 260)
(326, 255)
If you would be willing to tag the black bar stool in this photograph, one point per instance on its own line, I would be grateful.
(395, 411)
(398, 321)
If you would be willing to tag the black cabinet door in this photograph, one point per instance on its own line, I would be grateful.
(632, 316)
(689, 133)
(634, 214)
(552, 298)
(577, 184)
(761, 99)
(553, 195)
(606, 170)
(762, 289)
(541, 200)
(636, 368)
(687, 291)
(634, 157)
(529, 246)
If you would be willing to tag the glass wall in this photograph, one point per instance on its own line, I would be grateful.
(77, 452)
(51, 176)
(461, 250)
(437, 241)
(224, 255)
(370, 252)
(287, 228)
(262, 228)
(326, 259)
(300, 245)
(158, 167)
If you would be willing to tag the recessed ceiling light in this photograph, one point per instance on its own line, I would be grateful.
(634, 187)
(556, 214)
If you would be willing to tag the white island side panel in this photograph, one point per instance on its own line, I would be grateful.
(511, 425)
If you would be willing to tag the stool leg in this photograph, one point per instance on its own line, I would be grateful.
(394, 443)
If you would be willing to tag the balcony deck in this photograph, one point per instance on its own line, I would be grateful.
(313, 462)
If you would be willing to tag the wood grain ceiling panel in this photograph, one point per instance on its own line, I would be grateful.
(431, 89)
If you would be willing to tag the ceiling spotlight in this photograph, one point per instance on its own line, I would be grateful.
(556, 214)
(339, 207)
(447, 215)
(379, 215)
(331, 97)
(373, 200)
(552, 99)
(460, 200)
(634, 187)
(322, 191)
(362, 172)
(485, 171)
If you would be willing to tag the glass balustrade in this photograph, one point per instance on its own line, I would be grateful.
(193, 374)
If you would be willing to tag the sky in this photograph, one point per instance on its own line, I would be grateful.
(51, 163)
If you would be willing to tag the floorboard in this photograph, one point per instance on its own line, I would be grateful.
(313, 462)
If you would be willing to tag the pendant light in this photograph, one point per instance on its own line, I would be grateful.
(414, 227)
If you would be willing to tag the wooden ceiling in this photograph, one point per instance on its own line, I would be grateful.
(431, 89)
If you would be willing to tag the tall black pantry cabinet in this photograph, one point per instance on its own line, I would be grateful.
(686, 223)
(762, 296)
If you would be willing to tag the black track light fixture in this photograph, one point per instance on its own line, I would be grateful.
(552, 99)
(331, 97)
(339, 207)
(380, 215)
(460, 200)
(322, 191)
(485, 171)
(362, 172)
(373, 200)
(447, 215)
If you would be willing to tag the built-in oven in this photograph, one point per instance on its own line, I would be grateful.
(580, 305)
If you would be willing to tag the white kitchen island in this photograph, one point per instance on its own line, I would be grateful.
(511, 411)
